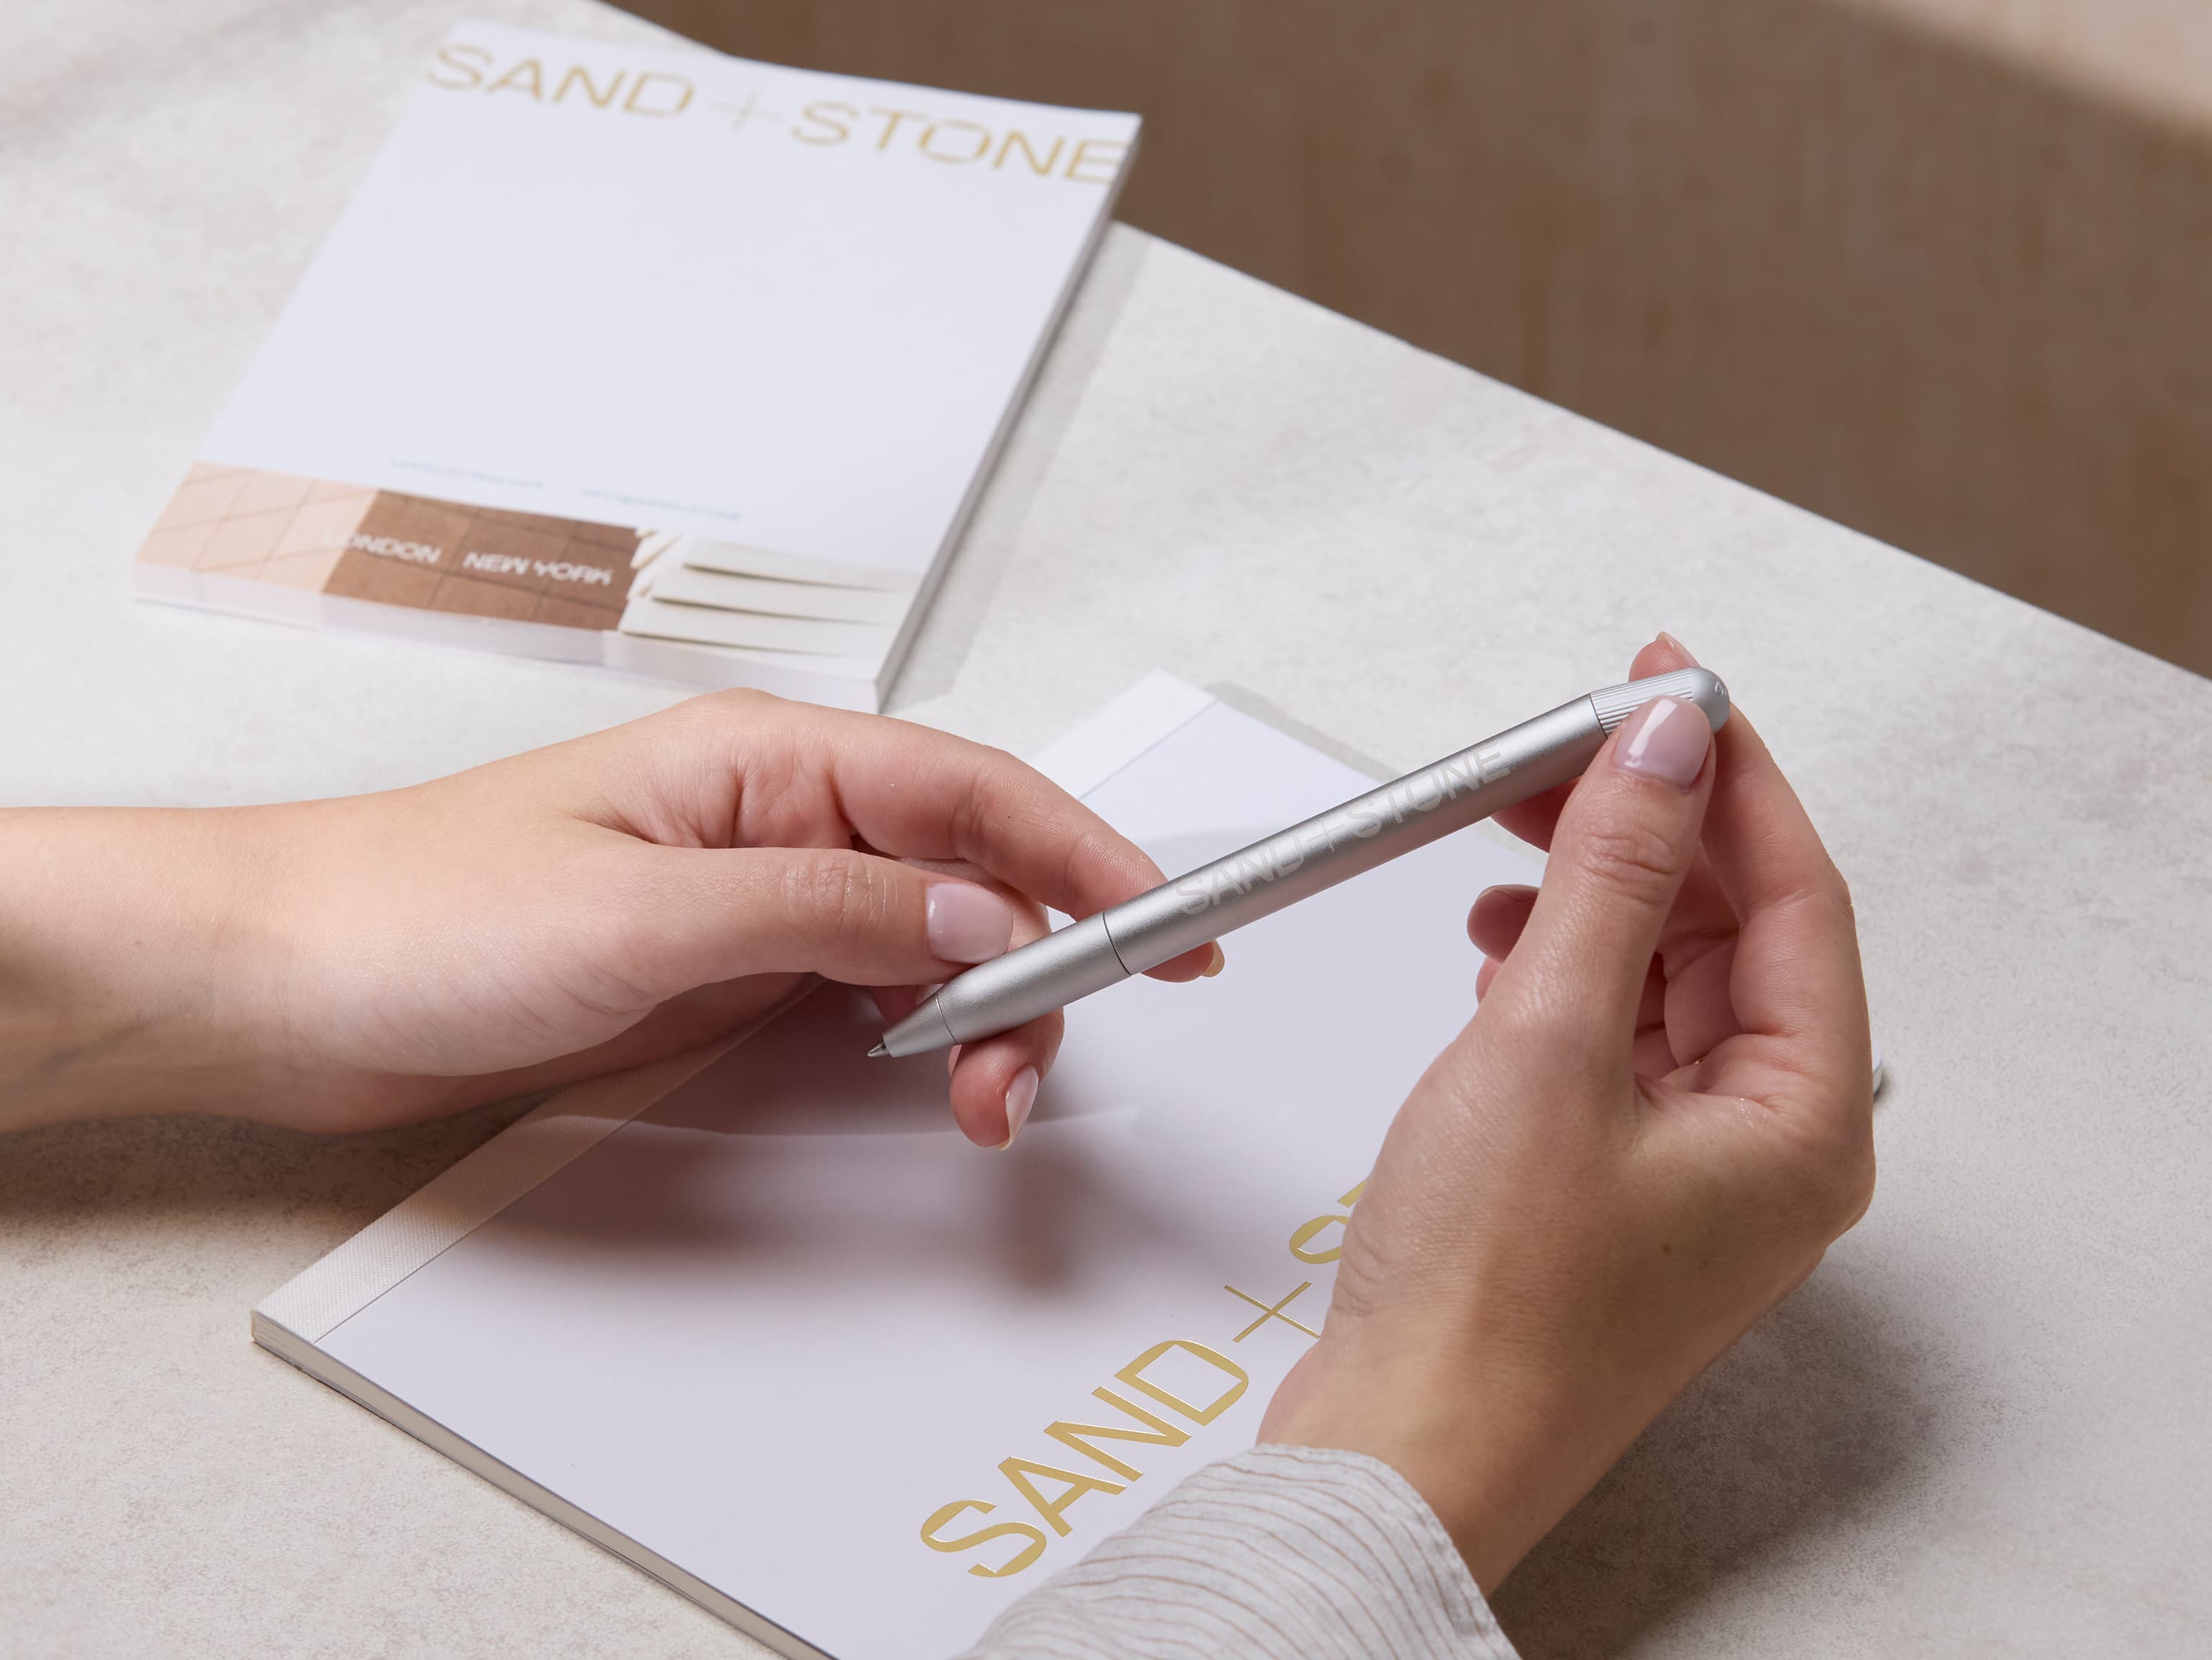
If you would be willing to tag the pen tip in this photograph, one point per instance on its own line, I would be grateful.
(877, 1051)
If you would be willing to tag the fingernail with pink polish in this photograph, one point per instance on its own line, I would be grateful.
(1666, 739)
(1021, 1096)
(1688, 660)
(966, 923)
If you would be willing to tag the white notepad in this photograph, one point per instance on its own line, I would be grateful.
(761, 1320)
(600, 309)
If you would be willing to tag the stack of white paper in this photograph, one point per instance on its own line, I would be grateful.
(661, 360)
(719, 593)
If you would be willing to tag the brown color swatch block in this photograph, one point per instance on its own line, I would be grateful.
(390, 581)
(467, 598)
(575, 613)
(487, 562)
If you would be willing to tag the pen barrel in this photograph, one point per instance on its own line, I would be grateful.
(1371, 829)
(1041, 976)
(1388, 821)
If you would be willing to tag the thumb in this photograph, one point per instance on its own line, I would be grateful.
(1625, 839)
(710, 914)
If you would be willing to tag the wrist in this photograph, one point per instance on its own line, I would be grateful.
(1468, 1436)
(135, 954)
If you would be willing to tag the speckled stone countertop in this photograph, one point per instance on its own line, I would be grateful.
(1982, 1427)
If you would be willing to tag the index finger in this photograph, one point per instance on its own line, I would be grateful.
(914, 791)
(812, 776)
(1535, 819)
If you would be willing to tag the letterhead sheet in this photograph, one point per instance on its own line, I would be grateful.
(788, 1330)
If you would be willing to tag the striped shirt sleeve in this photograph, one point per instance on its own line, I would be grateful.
(1295, 1552)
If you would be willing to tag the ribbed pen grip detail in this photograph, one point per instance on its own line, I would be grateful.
(1699, 686)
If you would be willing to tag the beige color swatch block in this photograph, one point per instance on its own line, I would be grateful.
(241, 543)
(177, 545)
(208, 493)
(271, 527)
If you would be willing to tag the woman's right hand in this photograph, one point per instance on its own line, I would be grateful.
(1657, 1121)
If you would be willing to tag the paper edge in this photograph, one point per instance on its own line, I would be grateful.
(707, 668)
(1154, 709)
(290, 1347)
(987, 468)
(468, 1193)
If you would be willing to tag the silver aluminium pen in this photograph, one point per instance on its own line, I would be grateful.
(1292, 865)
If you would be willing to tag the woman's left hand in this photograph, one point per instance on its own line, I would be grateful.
(344, 964)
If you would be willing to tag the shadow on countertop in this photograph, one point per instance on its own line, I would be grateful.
(1818, 1415)
(187, 1165)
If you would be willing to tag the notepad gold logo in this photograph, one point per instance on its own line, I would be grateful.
(1067, 1485)
(828, 121)
(470, 67)
(463, 66)
(1183, 1382)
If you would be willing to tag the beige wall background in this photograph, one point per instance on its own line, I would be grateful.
(1941, 269)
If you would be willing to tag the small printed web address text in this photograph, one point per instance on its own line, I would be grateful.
(492, 565)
